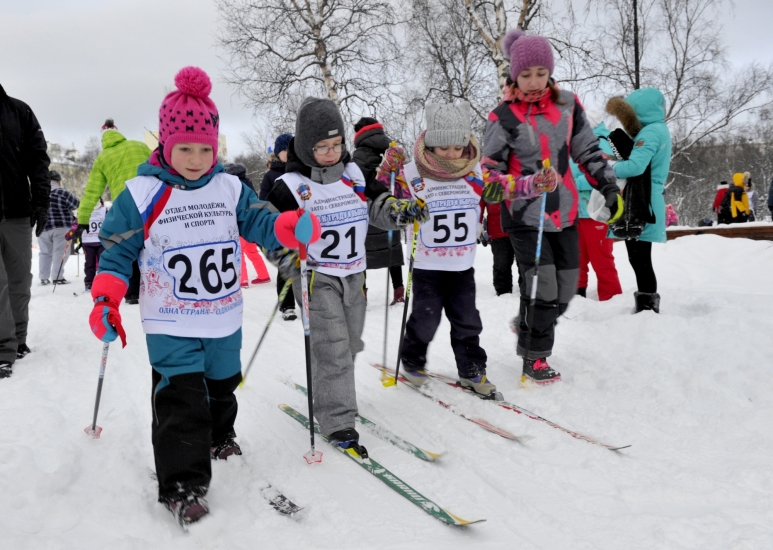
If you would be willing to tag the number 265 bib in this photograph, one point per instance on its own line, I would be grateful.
(192, 259)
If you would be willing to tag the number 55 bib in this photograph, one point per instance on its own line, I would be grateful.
(192, 260)
(343, 214)
(447, 241)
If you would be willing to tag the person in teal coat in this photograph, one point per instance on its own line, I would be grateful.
(652, 147)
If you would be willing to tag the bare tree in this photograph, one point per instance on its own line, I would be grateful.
(278, 49)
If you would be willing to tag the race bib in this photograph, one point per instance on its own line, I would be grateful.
(203, 272)
(453, 224)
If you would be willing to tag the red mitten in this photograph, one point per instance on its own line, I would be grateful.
(285, 228)
(108, 289)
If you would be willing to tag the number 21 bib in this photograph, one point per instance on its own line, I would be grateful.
(447, 241)
(343, 214)
(192, 259)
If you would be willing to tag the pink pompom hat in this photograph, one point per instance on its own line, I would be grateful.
(188, 115)
(526, 51)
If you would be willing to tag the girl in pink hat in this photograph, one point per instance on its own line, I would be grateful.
(183, 216)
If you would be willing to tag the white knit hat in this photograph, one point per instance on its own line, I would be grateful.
(447, 124)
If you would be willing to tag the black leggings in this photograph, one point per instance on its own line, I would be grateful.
(640, 256)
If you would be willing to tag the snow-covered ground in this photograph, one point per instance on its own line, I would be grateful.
(690, 390)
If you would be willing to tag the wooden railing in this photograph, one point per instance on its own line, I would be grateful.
(758, 231)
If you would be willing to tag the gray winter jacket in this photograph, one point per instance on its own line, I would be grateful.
(520, 135)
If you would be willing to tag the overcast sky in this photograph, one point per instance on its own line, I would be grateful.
(77, 62)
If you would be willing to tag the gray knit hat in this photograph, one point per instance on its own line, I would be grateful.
(318, 119)
(447, 124)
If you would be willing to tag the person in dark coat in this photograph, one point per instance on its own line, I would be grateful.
(370, 143)
(24, 199)
(276, 169)
(277, 165)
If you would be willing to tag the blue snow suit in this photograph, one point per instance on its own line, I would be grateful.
(194, 407)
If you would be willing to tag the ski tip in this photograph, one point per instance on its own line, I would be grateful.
(618, 448)
(388, 382)
(462, 522)
(432, 457)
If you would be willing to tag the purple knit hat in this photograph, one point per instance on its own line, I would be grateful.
(188, 115)
(526, 51)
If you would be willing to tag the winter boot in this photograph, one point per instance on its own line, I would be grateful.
(260, 281)
(348, 439)
(22, 351)
(132, 300)
(61, 281)
(479, 384)
(225, 448)
(417, 377)
(581, 292)
(44, 282)
(647, 301)
(289, 314)
(539, 371)
(399, 296)
(188, 505)
(6, 369)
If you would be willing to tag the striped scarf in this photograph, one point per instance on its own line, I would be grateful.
(433, 167)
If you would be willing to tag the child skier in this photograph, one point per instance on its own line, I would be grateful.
(528, 142)
(446, 174)
(182, 217)
(321, 178)
(92, 248)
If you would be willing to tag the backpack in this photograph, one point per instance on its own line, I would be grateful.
(637, 194)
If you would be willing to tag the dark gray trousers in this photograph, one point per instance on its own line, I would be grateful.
(336, 320)
(15, 282)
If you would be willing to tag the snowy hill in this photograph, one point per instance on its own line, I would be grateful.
(690, 390)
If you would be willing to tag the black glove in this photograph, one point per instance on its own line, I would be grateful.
(39, 217)
(286, 261)
(612, 200)
(79, 230)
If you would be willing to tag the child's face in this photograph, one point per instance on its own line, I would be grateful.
(282, 155)
(450, 152)
(328, 151)
(534, 79)
(192, 160)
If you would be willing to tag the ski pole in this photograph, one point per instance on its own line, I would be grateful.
(61, 265)
(312, 457)
(282, 294)
(535, 278)
(389, 266)
(304, 234)
(92, 429)
(393, 381)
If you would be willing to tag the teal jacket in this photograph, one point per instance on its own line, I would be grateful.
(583, 187)
(651, 145)
(122, 232)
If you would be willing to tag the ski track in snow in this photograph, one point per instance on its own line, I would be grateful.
(689, 389)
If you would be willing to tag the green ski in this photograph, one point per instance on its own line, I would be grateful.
(388, 477)
(384, 434)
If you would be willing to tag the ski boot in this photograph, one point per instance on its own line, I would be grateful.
(481, 385)
(539, 371)
(417, 377)
(260, 281)
(22, 351)
(188, 505)
(44, 282)
(225, 448)
(6, 369)
(581, 292)
(61, 281)
(349, 439)
(132, 300)
(289, 314)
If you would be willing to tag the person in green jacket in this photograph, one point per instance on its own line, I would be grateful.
(115, 165)
(652, 147)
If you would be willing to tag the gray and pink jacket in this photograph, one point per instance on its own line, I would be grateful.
(520, 135)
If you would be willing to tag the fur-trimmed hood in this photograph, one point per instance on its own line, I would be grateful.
(638, 109)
